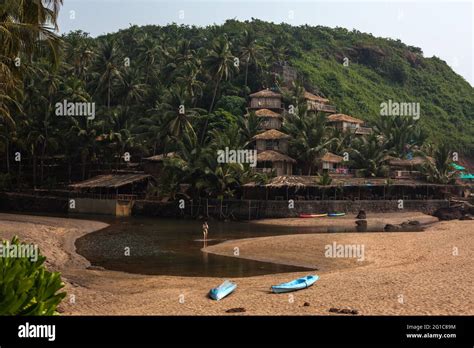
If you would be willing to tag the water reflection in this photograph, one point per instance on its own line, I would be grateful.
(173, 247)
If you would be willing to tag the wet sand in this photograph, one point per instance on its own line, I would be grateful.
(406, 273)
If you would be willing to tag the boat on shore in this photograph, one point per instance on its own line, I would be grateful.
(309, 216)
(223, 290)
(297, 284)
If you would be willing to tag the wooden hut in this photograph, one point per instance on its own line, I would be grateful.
(269, 119)
(317, 103)
(154, 165)
(266, 99)
(406, 168)
(332, 163)
(348, 123)
(272, 139)
(111, 194)
(274, 162)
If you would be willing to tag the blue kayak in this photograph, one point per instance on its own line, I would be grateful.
(297, 284)
(222, 290)
(336, 214)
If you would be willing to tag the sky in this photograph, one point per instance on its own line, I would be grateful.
(440, 28)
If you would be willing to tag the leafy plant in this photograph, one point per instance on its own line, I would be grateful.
(325, 179)
(26, 287)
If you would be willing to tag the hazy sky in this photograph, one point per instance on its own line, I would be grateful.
(440, 28)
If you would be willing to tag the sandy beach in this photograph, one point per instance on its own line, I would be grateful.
(348, 220)
(405, 273)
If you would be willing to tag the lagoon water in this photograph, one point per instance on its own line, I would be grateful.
(173, 247)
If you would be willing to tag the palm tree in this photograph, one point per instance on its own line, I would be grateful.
(193, 86)
(278, 50)
(149, 53)
(83, 134)
(153, 131)
(79, 54)
(401, 134)
(368, 154)
(175, 111)
(310, 136)
(249, 126)
(132, 89)
(117, 136)
(439, 168)
(250, 52)
(230, 137)
(106, 69)
(23, 25)
(220, 64)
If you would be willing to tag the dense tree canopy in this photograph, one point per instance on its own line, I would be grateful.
(185, 89)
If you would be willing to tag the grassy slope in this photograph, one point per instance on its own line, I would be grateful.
(446, 99)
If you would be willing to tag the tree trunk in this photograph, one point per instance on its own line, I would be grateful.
(43, 152)
(69, 169)
(7, 148)
(19, 175)
(108, 95)
(246, 71)
(214, 95)
(204, 130)
(34, 171)
(83, 168)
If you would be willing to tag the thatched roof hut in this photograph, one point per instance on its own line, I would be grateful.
(271, 134)
(331, 158)
(110, 181)
(316, 98)
(408, 163)
(273, 156)
(266, 93)
(343, 118)
(313, 181)
(267, 113)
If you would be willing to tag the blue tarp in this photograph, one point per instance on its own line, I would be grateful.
(466, 176)
(457, 166)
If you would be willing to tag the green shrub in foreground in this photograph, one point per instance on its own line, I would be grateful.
(26, 287)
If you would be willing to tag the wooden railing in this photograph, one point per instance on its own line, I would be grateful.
(363, 130)
(321, 107)
(263, 170)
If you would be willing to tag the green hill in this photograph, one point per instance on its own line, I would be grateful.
(379, 69)
(159, 89)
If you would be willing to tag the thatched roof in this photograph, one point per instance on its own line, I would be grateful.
(313, 181)
(316, 98)
(267, 113)
(271, 134)
(416, 161)
(110, 181)
(266, 93)
(159, 158)
(343, 118)
(332, 158)
(273, 156)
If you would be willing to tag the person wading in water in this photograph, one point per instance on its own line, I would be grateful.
(205, 229)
